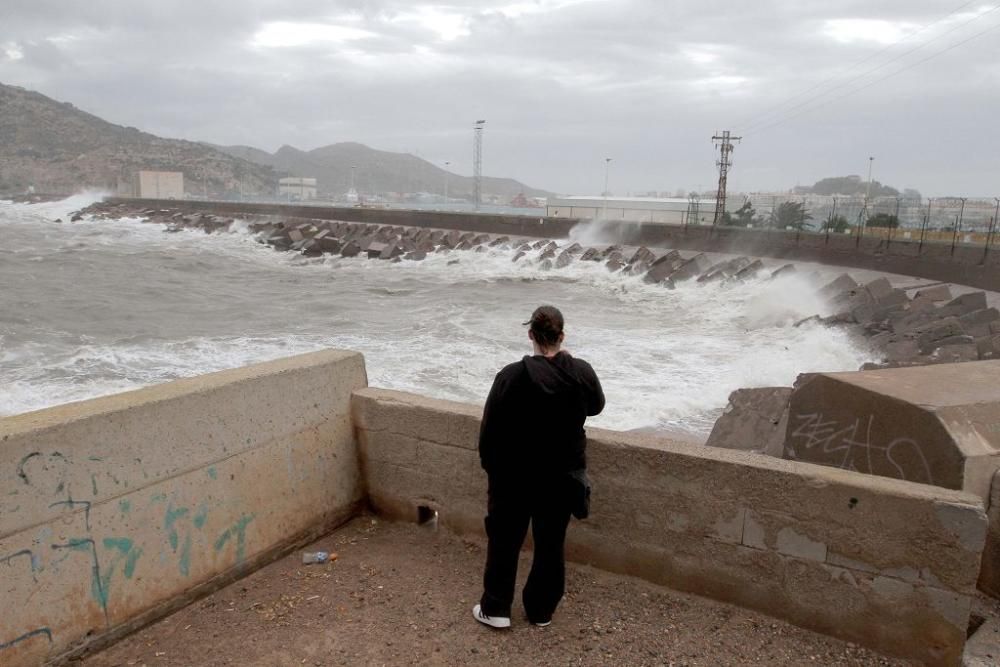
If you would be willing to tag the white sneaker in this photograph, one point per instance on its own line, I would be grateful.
(544, 625)
(492, 621)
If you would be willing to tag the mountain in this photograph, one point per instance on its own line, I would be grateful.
(58, 148)
(375, 171)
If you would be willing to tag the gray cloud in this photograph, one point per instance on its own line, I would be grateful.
(562, 84)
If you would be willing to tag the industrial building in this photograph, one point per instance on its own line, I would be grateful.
(158, 185)
(296, 187)
(669, 210)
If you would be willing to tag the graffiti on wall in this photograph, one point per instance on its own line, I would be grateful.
(849, 445)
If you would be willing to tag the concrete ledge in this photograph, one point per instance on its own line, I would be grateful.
(885, 563)
(120, 508)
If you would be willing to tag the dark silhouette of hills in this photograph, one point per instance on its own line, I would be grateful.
(58, 148)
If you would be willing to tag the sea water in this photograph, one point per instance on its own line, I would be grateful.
(96, 307)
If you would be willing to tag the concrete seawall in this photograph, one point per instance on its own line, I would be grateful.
(885, 563)
(964, 264)
(119, 509)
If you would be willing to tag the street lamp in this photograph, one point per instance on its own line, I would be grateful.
(607, 170)
(446, 182)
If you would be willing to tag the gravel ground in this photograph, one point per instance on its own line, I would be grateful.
(399, 594)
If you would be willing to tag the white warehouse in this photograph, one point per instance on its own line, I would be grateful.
(668, 210)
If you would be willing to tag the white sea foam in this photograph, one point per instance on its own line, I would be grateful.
(115, 305)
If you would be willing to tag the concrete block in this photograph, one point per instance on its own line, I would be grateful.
(934, 424)
(754, 420)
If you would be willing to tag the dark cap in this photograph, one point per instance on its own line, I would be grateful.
(546, 324)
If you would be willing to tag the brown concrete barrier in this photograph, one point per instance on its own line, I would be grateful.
(882, 562)
(936, 260)
(937, 424)
(117, 510)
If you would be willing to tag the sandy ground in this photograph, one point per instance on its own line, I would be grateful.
(399, 594)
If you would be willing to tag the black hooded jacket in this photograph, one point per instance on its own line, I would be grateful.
(533, 419)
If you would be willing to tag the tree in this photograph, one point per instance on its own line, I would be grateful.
(741, 217)
(790, 214)
(883, 220)
(837, 224)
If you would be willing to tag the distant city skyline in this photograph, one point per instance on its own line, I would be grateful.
(563, 84)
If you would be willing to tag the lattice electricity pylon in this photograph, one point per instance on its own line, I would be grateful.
(724, 142)
(477, 162)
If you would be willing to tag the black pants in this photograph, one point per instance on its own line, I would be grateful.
(511, 505)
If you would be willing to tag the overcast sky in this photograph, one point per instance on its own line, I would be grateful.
(562, 84)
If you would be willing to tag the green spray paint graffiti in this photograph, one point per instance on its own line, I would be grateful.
(237, 531)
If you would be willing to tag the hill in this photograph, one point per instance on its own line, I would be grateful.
(854, 186)
(56, 147)
(375, 171)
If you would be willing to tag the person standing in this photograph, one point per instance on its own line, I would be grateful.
(532, 445)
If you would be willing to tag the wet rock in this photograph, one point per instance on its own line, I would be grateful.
(840, 284)
(977, 323)
(614, 264)
(956, 353)
(391, 251)
(415, 255)
(662, 268)
(786, 270)
(565, 259)
(590, 255)
(750, 271)
(690, 268)
(903, 350)
(964, 304)
(755, 420)
(936, 293)
(545, 265)
(500, 240)
(330, 244)
(518, 255)
(928, 337)
(480, 239)
(642, 255)
(350, 249)
(610, 250)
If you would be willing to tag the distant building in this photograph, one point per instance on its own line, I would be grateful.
(671, 210)
(296, 187)
(158, 185)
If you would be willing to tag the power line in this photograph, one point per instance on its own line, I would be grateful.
(755, 119)
(875, 81)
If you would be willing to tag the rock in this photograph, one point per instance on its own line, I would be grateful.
(755, 420)
(957, 353)
(391, 251)
(350, 249)
(590, 255)
(929, 335)
(964, 304)
(610, 250)
(415, 255)
(614, 264)
(662, 268)
(750, 270)
(500, 240)
(690, 268)
(988, 347)
(840, 284)
(547, 253)
(936, 293)
(894, 297)
(786, 270)
(878, 288)
(904, 350)
(978, 322)
(642, 254)
(545, 265)
(375, 248)
(564, 259)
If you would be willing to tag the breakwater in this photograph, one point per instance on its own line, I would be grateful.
(971, 265)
